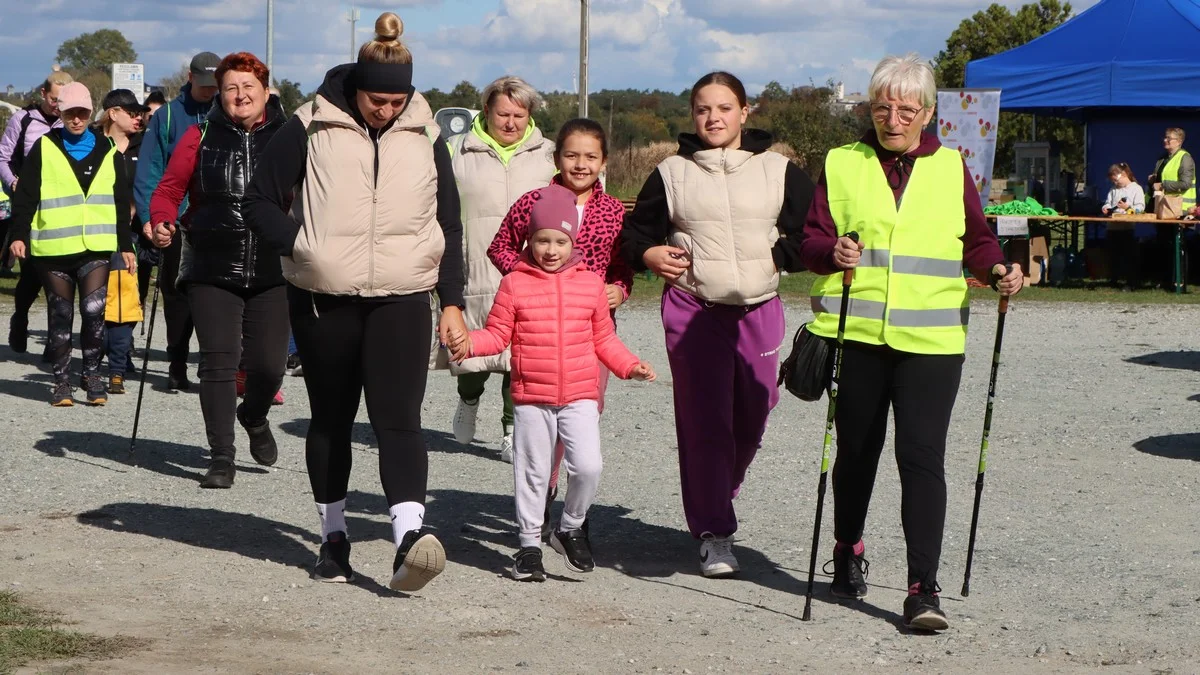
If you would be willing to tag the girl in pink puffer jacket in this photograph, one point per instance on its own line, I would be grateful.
(554, 312)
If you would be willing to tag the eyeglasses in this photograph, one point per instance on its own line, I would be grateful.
(882, 112)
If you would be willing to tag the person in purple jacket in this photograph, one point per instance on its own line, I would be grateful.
(23, 131)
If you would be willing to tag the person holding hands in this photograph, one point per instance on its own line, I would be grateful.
(554, 312)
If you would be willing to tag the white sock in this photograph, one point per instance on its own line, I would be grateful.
(406, 517)
(333, 518)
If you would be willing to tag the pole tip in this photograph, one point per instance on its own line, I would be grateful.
(966, 589)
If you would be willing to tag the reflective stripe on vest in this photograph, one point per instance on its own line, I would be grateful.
(909, 291)
(67, 220)
(1170, 172)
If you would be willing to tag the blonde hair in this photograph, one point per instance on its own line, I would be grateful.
(521, 92)
(59, 77)
(1177, 132)
(386, 47)
(903, 77)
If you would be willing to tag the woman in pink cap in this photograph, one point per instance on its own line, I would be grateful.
(71, 190)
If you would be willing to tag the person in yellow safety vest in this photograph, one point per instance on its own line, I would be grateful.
(920, 221)
(1175, 172)
(1174, 176)
(71, 188)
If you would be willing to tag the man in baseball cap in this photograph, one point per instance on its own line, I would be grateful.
(204, 69)
(166, 127)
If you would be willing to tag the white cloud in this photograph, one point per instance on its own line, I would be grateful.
(650, 44)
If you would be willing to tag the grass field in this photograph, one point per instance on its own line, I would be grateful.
(28, 635)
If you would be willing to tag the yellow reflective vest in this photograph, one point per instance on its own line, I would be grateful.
(908, 292)
(67, 220)
(1170, 172)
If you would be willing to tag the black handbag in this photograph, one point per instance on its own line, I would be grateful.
(808, 370)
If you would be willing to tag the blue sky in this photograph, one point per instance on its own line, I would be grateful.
(643, 44)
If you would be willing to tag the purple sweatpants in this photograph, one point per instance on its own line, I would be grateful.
(724, 362)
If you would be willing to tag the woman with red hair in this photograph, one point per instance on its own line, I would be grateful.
(234, 285)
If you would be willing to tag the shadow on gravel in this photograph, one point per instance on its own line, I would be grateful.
(31, 386)
(1172, 446)
(436, 441)
(162, 457)
(1175, 360)
(474, 523)
(244, 534)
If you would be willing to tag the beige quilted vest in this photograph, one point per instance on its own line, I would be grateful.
(362, 235)
(724, 206)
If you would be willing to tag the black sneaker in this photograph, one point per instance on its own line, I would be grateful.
(221, 471)
(575, 549)
(293, 366)
(923, 610)
(546, 517)
(527, 565)
(419, 559)
(177, 380)
(849, 574)
(262, 442)
(333, 561)
(18, 334)
(60, 396)
(96, 392)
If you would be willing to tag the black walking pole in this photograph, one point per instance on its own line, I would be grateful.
(983, 444)
(847, 279)
(137, 414)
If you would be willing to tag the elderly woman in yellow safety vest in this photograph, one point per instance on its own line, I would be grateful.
(65, 215)
(919, 220)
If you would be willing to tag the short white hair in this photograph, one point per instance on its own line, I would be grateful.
(905, 77)
(521, 92)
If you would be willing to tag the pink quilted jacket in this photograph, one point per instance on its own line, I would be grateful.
(558, 324)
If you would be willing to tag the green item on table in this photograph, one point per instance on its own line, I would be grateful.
(1027, 207)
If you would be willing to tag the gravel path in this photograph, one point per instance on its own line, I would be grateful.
(1089, 550)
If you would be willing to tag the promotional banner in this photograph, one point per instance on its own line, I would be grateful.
(967, 120)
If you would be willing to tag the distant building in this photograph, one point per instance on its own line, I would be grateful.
(846, 103)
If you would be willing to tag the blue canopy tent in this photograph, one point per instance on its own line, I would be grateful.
(1127, 68)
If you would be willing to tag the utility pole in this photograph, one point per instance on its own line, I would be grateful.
(584, 6)
(353, 34)
(271, 37)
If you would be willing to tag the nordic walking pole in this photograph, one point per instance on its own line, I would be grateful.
(137, 414)
(983, 443)
(847, 279)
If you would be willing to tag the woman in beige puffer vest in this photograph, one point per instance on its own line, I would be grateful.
(501, 157)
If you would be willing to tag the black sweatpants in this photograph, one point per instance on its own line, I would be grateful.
(176, 308)
(238, 327)
(350, 346)
(920, 389)
(1124, 257)
(29, 284)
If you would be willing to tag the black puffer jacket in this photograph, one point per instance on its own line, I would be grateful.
(218, 248)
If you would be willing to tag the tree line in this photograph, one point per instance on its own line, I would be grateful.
(806, 119)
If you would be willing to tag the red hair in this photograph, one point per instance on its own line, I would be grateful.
(244, 62)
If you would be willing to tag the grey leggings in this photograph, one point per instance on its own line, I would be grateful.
(91, 280)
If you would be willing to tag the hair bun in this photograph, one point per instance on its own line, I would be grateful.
(388, 27)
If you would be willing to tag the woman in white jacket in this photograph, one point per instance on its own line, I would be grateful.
(501, 157)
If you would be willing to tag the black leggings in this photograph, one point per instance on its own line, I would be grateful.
(921, 390)
(176, 308)
(28, 286)
(91, 278)
(351, 346)
(238, 327)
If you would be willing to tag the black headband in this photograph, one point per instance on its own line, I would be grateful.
(383, 78)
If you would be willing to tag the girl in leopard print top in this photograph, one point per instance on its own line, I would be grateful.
(580, 154)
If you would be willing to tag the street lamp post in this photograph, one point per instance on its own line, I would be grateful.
(353, 33)
(271, 37)
(584, 6)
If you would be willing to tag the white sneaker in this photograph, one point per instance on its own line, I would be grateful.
(716, 556)
(506, 448)
(464, 421)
